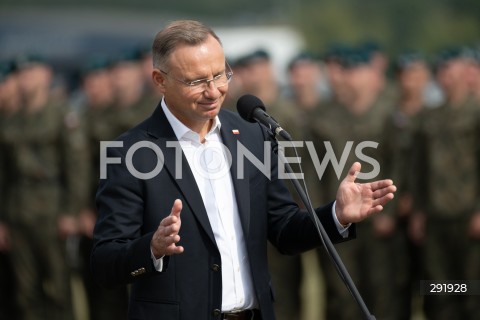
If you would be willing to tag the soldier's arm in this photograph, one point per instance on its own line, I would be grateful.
(75, 171)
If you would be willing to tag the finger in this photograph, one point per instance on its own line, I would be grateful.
(381, 184)
(353, 172)
(177, 249)
(171, 230)
(171, 240)
(383, 200)
(172, 248)
(383, 191)
(174, 216)
(177, 208)
(375, 209)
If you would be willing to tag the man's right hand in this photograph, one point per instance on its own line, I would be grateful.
(165, 239)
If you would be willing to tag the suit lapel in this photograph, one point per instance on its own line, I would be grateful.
(160, 128)
(230, 136)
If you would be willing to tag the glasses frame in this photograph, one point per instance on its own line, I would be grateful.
(198, 83)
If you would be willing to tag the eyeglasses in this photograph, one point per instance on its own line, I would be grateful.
(200, 85)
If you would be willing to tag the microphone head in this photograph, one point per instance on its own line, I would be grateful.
(247, 104)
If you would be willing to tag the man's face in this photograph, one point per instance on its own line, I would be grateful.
(34, 78)
(304, 76)
(126, 75)
(189, 63)
(452, 75)
(414, 77)
(98, 88)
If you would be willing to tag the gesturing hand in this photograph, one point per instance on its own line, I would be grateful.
(165, 239)
(356, 201)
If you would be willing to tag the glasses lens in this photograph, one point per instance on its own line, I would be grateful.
(222, 80)
(219, 81)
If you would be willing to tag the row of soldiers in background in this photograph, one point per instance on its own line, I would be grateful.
(50, 158)
(49, 144)
(427, 125)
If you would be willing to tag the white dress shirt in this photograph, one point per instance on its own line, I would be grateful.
(211, 169)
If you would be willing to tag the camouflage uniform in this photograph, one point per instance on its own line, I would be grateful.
(412, 74)
(396, 158)
(49, 166)
(124, 118)
(101, 124)
(337, 127)
(286, 271)
(448, 192)
(104, 303)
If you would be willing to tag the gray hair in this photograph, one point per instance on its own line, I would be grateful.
(179, 32)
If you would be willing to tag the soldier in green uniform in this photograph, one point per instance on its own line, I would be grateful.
(412, 75)
(258, 78)
(132, 105)
(474, 74)
(98, 91)
(47, 191)
(146, 61)
(355, 117)
(307, 97)
(9, 107)
(447, 189)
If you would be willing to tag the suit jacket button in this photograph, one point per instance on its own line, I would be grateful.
(216, 267)
(216, 313)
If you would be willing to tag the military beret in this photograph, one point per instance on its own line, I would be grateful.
(355, 57)
(303, 56)
(96, 63)
(406, 59)
(7, 68)
(29, 59)
(336, 52)
(253, 57)
(452, 53)
(134, 54)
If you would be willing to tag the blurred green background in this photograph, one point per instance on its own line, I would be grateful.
(397, 25)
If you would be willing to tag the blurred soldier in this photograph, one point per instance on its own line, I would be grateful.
(131, 105)
(258, 70)
(334, 71)
(305, 91)
(9, 107)
(447, 189)
(258, 78)
(146, 61)
(474, 74)
(49, 188)
(305, 80)
(98, 91)
(357, 118)
(412, 75)
(235, 87)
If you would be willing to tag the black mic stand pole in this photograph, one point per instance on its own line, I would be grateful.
(332, 252)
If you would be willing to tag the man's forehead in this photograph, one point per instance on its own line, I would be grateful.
(206, 54)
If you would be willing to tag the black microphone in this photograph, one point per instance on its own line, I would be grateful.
(252, 109)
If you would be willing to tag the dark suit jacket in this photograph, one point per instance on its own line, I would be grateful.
(190, 287)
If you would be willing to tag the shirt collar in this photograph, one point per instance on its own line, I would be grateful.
(182, 132)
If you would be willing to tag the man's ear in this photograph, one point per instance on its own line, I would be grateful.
(159, 79)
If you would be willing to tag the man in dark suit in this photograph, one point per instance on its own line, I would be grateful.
(205, 257)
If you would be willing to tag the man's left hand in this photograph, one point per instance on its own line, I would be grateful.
(356, 201)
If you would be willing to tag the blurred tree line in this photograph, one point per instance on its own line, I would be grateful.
(397, 25)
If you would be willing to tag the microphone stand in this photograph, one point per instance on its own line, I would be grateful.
(327, 243)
